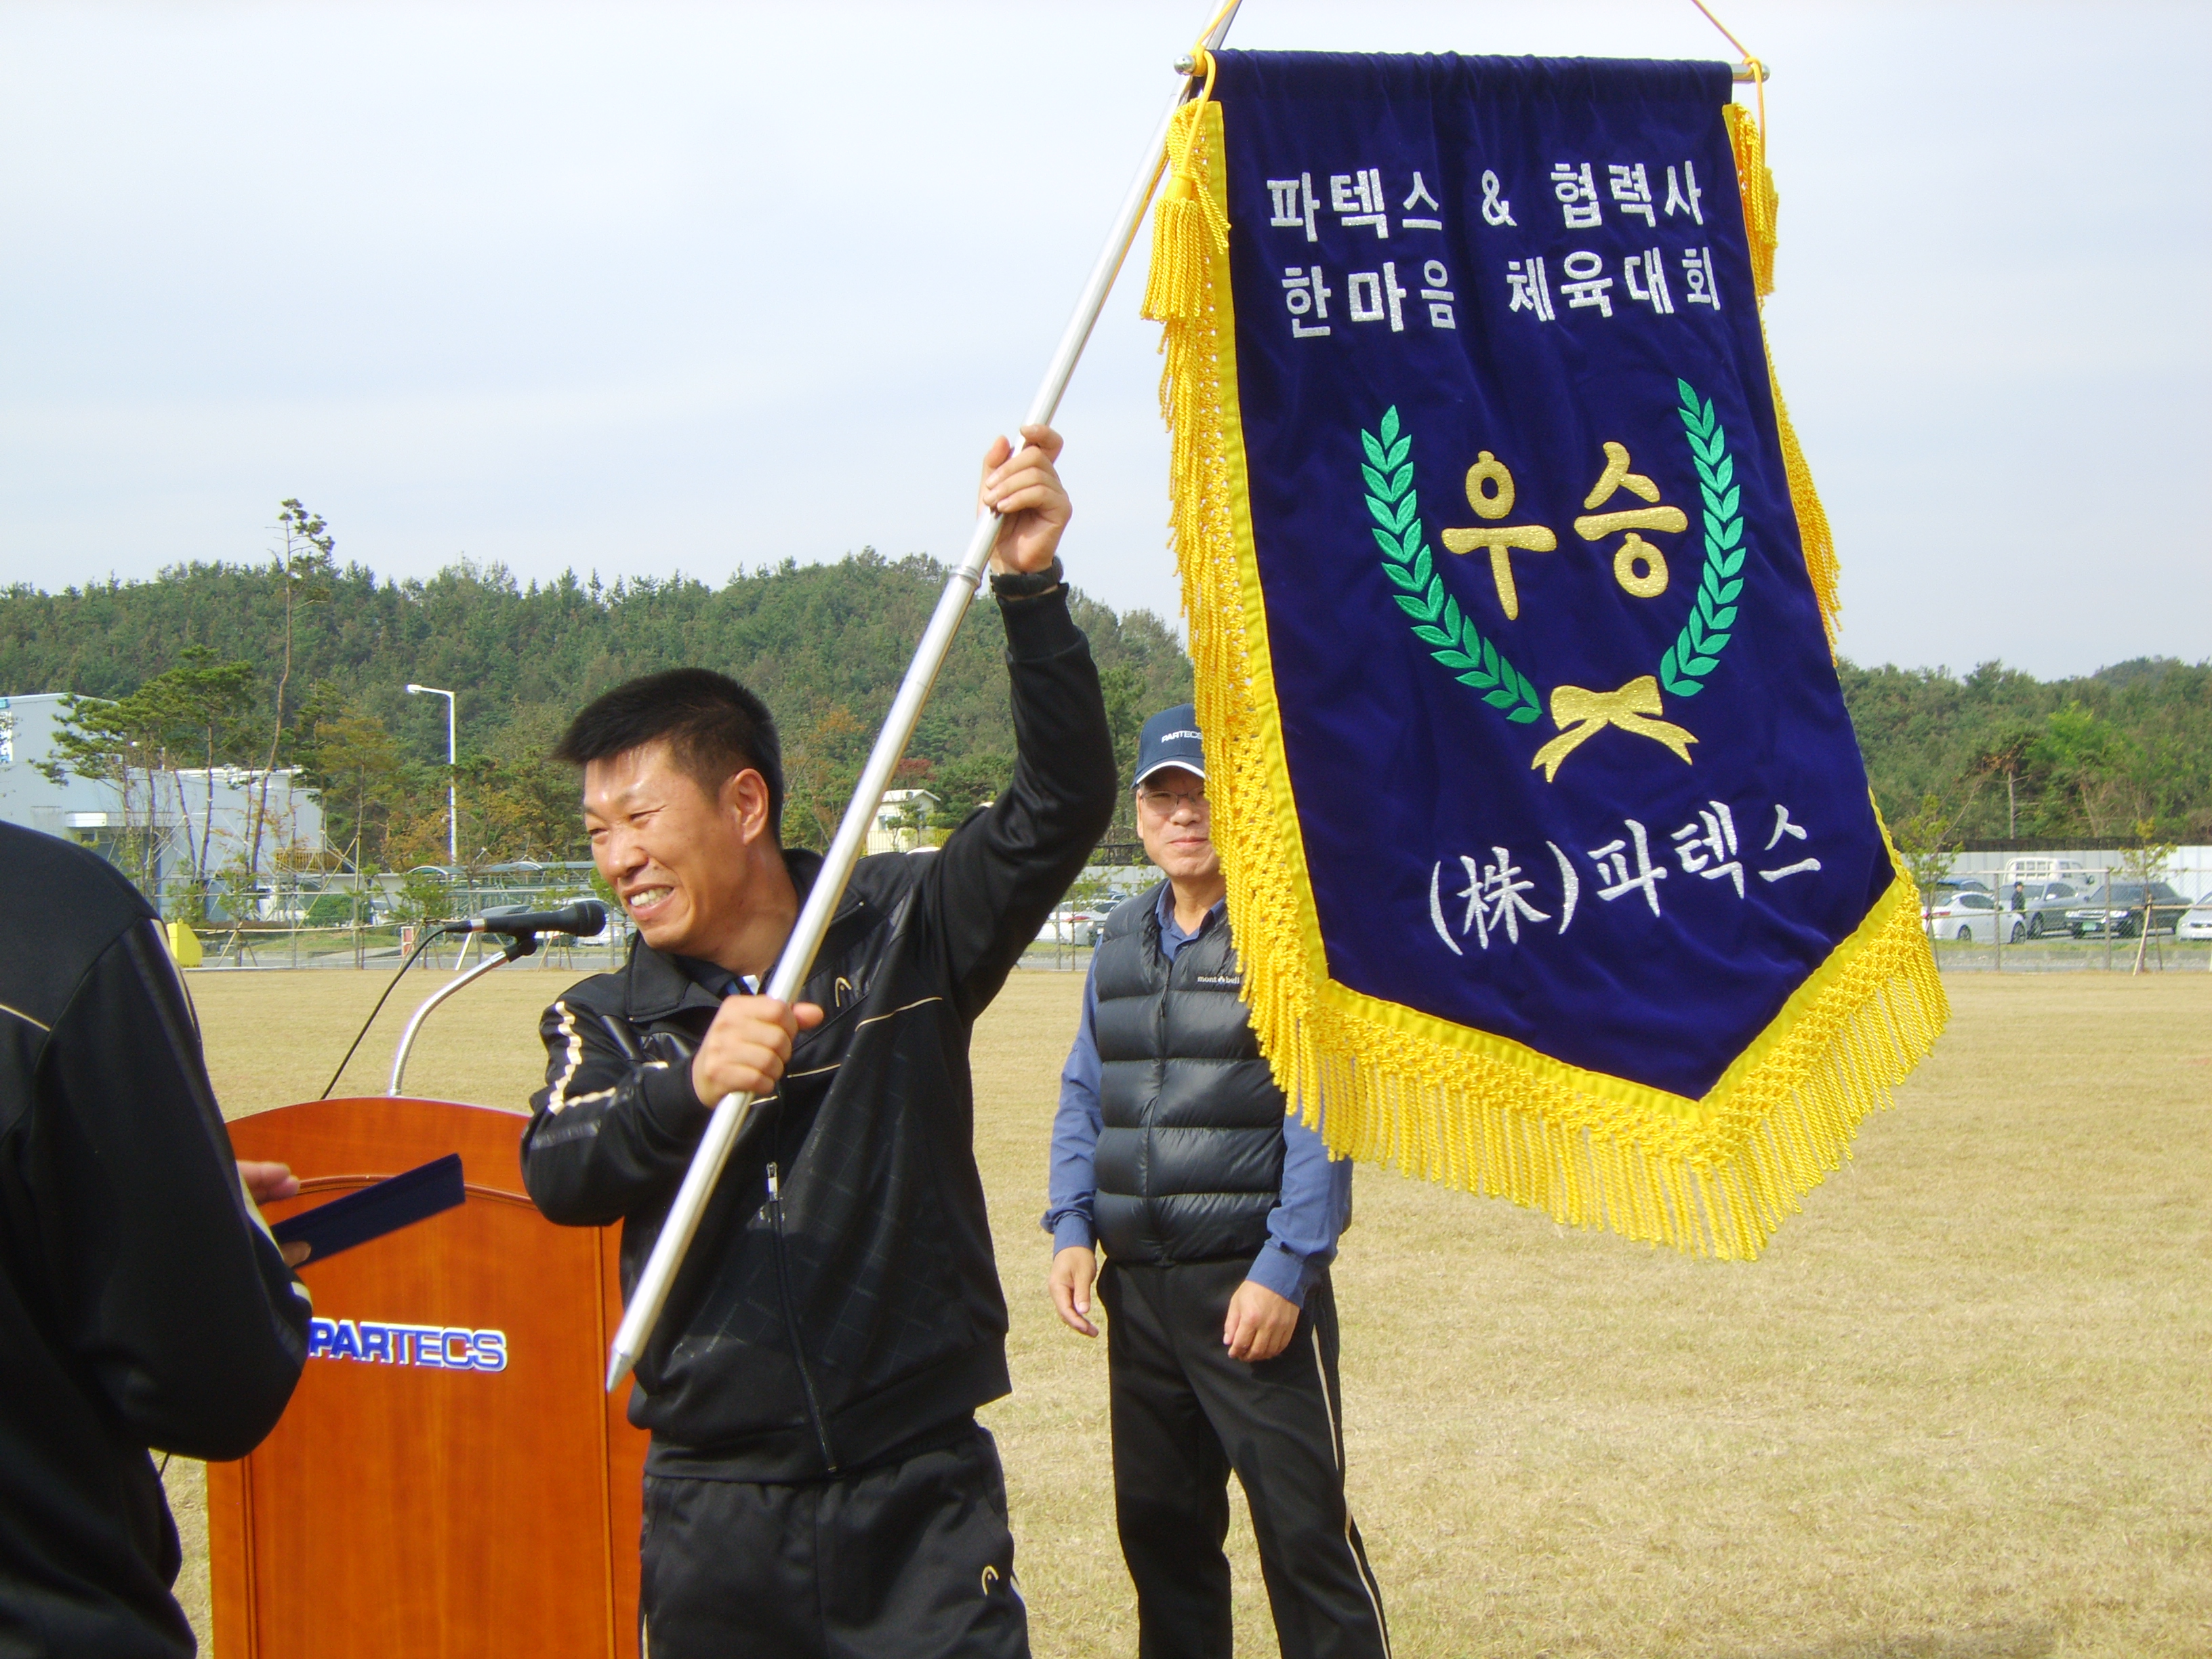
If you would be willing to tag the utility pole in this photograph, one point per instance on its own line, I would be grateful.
(453, 809)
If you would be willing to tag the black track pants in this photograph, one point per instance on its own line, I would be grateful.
(911, 1560)
(1185, 1414)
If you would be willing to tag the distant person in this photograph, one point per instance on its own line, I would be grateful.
(817, 1483)
(1219, 1215)
(2019, 896)
(141, 1302)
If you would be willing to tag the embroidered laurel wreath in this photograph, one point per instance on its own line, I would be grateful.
(1696, 652)
(1437, 620)
(1474, 660)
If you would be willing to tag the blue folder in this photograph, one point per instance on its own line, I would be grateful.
(413, 1195)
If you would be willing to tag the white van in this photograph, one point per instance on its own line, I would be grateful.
(2071, 870)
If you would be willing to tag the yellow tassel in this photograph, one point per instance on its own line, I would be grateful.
(1756, 185)
(1188, 227)
(1175, 289)
(1715, 1186)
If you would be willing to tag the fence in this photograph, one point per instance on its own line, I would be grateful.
(2160, 953)
(350, 921)
(2188, 870)
(2112, 940)
(381, 912)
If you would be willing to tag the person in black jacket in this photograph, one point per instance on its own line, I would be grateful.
(141, 1302)
(817, 1482)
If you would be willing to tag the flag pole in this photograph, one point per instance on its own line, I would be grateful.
(651, 1293)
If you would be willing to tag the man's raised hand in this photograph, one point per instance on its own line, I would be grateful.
(748, 1046)
(1073, 1271)
(1025, 489)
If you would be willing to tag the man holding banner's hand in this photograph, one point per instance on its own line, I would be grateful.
(817, 1483)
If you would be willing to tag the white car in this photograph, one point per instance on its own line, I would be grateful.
(2197, 921)
(1073, 924)
(1967, 915)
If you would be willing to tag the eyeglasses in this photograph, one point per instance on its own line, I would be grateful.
(1166, 802)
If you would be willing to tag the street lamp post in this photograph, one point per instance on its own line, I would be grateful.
(453, 810)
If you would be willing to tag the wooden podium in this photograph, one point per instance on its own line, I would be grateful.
(450, 1478)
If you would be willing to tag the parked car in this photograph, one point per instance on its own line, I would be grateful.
(2045, 903)
(1073, 924)
(1949, 885)
(2124, 902)
(1968, 915)
(2196, 921)
(1943, 890)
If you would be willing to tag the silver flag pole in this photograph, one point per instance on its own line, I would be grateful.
(728, 1121)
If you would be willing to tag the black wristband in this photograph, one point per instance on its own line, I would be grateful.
(1027, 584)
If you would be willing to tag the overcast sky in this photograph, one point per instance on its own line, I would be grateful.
(640, 287)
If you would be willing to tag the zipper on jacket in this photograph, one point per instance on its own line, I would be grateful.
(791, 1322)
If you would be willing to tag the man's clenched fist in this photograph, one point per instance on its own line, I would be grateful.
(748, 1046)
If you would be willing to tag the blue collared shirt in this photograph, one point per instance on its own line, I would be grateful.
(1315, 1201)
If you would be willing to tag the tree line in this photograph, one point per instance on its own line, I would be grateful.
(2122, 755)
(300, 660)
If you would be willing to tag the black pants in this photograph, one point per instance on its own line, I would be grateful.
(1185, 1414)
(911, 1558)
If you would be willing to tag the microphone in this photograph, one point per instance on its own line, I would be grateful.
(584, 919)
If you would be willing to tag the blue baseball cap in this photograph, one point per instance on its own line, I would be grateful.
(1170, 737)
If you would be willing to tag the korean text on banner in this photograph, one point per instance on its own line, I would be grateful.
(1550, 850)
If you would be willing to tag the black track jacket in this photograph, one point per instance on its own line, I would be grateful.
(141, 1302)
(852, 1308)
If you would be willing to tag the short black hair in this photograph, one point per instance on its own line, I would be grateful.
(714, 727)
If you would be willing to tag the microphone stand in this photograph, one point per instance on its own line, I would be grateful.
(653, 1283)
(522, 944)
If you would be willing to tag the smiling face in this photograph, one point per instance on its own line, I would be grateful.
(682, 862)
(1177, 825)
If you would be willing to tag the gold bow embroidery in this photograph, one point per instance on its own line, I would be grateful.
(1581, 715)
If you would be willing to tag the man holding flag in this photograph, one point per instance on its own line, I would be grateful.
(817, 1483)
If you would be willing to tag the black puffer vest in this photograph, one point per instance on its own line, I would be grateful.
(1190, 1153)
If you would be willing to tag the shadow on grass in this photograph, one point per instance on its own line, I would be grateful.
(2006, 1641)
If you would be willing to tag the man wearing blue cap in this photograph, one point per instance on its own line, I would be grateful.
(1220, 1216)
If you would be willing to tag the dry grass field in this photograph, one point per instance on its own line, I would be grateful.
(1962, 1409)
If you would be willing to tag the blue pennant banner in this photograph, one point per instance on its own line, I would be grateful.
(1543, 794)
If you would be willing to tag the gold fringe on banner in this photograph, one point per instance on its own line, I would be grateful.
(1755, 183)
(1713, 1176)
